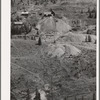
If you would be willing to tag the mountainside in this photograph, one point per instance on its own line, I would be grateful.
(32, 65)
(57, 49)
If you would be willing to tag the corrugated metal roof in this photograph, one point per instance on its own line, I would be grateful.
(47, 13)
(18, 23)
(24, 13)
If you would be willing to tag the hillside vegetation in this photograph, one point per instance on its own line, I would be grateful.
(63, 55)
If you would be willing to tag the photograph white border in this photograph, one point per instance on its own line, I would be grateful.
(5, 49)
(97, 54)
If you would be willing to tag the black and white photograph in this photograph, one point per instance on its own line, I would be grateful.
(53, 47)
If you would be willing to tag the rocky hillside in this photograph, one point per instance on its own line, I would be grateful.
(66, 56)
(32, 67)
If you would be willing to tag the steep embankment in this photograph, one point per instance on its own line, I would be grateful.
(32, 67)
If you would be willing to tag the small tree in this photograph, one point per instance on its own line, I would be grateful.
(95, 14)
(75, 98)
(39, 41)
(21, 1)
(82, 97)
(89, 10)
(95, 42)
(32, 38)
(65, 98)
(37, 97)
(94, 96)
(81, 11)
(90, 15)
(88, 31)
(28, 95)
(89, 38)
(12, 2)
(28, 2)
(86, 39)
